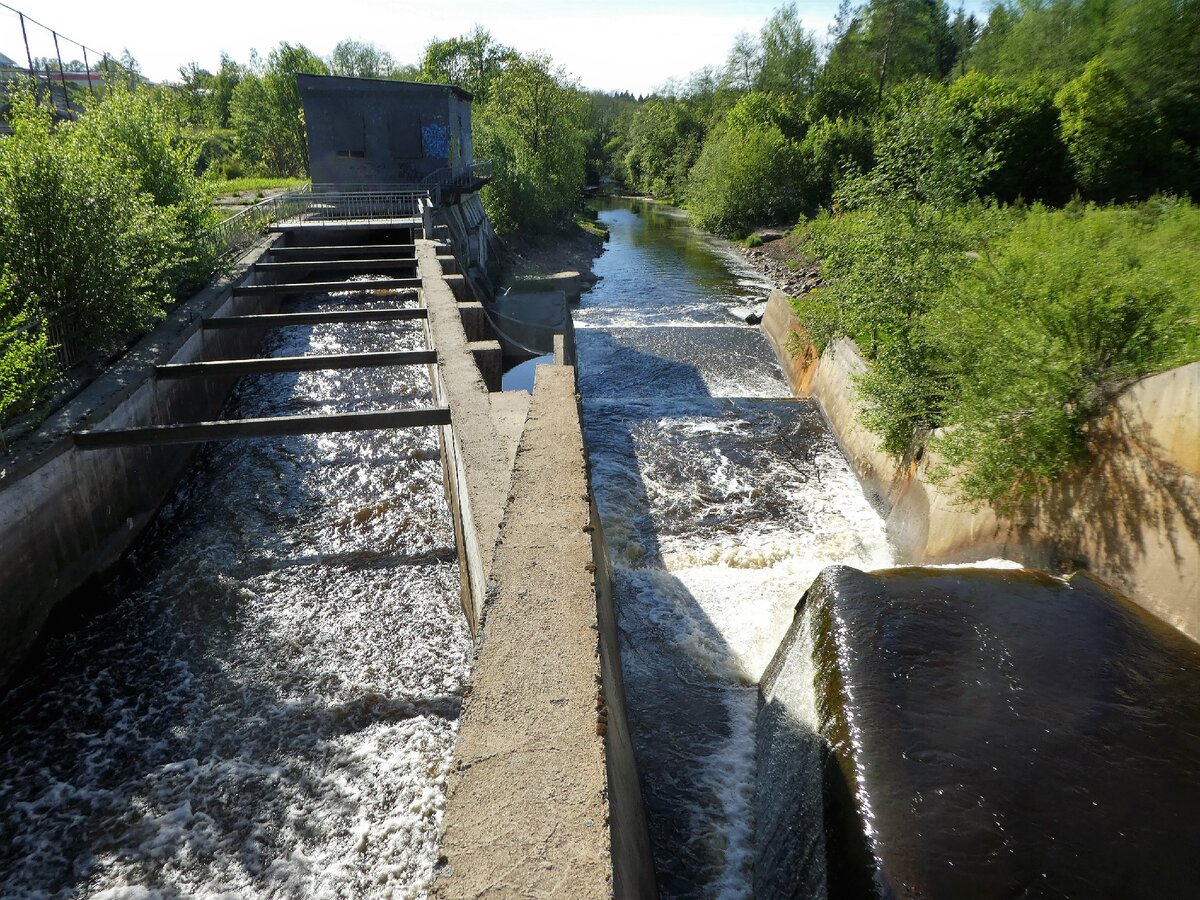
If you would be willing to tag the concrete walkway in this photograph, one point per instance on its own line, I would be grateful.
(527, 808)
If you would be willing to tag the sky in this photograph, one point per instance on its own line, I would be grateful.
(620, 45)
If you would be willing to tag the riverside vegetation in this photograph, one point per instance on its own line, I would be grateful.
(999, 208)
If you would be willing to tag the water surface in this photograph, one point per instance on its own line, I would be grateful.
(268, 706)
(721, 498)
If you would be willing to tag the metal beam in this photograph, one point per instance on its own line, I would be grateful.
(281, 426)
(333, 317)
(345, 251)
(366, 266)
(268, 365)
(325, 287)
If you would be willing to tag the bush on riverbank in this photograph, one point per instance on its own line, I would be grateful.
(102, 221)
(1010, 328)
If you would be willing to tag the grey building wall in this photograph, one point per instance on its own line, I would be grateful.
(369, 131)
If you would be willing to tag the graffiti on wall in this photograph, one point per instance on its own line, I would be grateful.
(435, 141)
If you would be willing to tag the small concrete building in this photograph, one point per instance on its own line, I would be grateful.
(366, 131)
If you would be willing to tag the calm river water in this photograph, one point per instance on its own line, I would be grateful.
(268, 707)
(721, 499)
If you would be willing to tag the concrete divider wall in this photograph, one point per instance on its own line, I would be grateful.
(545, 799)
(68, 514)
(1133, 517)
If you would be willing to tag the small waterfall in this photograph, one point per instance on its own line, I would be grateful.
(977, 733)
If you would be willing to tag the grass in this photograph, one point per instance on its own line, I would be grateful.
(224, 187)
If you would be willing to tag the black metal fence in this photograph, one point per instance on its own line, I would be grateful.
(63, 71)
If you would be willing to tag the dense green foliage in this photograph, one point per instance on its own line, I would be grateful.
(529, 119)
(936, 153)
(1009, 328)
(101, 222)
(266, 113)
(1043, 101)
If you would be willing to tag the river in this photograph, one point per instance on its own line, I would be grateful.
(266, 703)
(721, 498)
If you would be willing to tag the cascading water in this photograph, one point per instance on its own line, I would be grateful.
(267, 705)
(721, 499)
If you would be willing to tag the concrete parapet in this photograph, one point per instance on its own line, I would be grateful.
(477, 469)
(475, 322)
(528, 807)
(459, 287)
(1132, 517)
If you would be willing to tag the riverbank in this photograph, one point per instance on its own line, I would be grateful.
(781, 260)
(529, 255)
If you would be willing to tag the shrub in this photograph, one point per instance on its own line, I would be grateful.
(1045, 328)
(87, 250)
(748, 171)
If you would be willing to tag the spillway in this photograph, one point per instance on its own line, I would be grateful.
(721, 499)
(263, 698)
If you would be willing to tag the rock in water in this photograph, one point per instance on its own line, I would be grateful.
(977, 733)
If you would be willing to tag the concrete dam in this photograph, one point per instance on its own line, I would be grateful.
(637, 632)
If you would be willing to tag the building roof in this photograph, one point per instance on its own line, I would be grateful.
(340, 82)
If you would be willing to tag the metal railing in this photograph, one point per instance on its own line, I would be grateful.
(69, 337)
(369, 206)
(241, 230)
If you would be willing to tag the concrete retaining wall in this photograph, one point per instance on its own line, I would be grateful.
(1133, 517)
(68, 514)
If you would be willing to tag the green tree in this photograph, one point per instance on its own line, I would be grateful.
(532, 127)
(87, 252)
(266, 113)
(137, 130)
(789, 54)
(360, 59)
(744, 67)
(1117, 147)
(472, 62)
(749, 171)
(832, 152)
(665, 138)
(1016, 123)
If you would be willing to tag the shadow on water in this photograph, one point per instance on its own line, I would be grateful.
(679, 668)
(721, 500)
(265, 684)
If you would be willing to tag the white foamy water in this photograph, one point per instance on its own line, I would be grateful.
(267, 707)
(722, 499)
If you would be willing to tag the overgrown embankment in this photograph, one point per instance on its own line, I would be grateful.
(1010, 329)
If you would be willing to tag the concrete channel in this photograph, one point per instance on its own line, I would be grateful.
(544, 799)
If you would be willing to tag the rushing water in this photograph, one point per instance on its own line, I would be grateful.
(721, 499)
(267, 707)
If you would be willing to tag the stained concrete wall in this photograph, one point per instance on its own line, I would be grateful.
(372, 131)
(1133, 517)
(67, 514)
